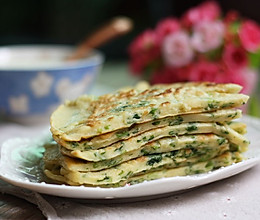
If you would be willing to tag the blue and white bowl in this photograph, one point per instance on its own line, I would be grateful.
(34, 80)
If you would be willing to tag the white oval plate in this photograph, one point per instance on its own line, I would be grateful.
(20, 166)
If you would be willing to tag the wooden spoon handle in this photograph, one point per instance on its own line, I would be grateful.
(115, 28)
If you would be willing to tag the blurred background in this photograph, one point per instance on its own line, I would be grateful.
(68, 22)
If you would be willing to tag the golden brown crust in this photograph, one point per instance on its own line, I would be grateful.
(124, 108)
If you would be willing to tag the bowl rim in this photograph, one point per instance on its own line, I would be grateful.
(97, 58)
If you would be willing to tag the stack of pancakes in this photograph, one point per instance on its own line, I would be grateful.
(134, 135)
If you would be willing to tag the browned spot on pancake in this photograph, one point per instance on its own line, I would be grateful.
(145, 113)
(210, 84)
(106, 136)
(164, 93)
(141, 159)
(110, 118)
(165, 103)
(178, 90)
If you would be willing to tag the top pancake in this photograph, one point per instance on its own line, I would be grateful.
(87, 116)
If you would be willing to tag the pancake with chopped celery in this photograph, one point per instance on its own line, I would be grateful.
(226, 159)
(223, 160)
(143, 164)
(146, 133)
(87, 116)
(54, 155)
(137, 142)
(104, 140)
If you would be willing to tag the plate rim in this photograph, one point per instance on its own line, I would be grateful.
(84, 192)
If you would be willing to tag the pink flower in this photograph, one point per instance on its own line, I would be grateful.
(249, 35)
(176, 49)
(216, 72)
(205, 71)
(235, 57)
(166, 27)
(208, 35)
(170, 75)
(143, 50)
(231, 16)
(162, 76)
(249, 80)
(207, 11)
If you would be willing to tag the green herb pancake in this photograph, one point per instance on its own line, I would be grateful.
(223, 160)
(137, 142)
(104, 140)
(53, 154)
(87, 116)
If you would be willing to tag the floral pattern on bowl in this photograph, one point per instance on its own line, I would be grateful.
(36, 92)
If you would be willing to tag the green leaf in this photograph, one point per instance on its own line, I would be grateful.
(254, 59)
(254, 106)
(234, 27)
(215, 54)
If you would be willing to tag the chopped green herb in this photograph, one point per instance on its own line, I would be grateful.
(171, 154)
(154, 112)
(106, 178)
(99, 155)
(212, 115)
(95, 165)
(212, 105)
(224, 132)
(142, 103)
(107, 127)
(210, 164)
(227, 105)
(136, 130)
(123, 133)
(221, 141)
(144, 138)
(121, 172)
(99, 130)
(191, 128)
(198, 171)
(119, 149)
(172, 133)
(189, 146)
(136, 116)
(87, 147)
(151, 138)
(156, 123)
(74, 144)
(172, 144)
(128, 174)
(145, 152)
(154, 159)
(234, 147)
(155, 147)
(177, 121)
(120, 108)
